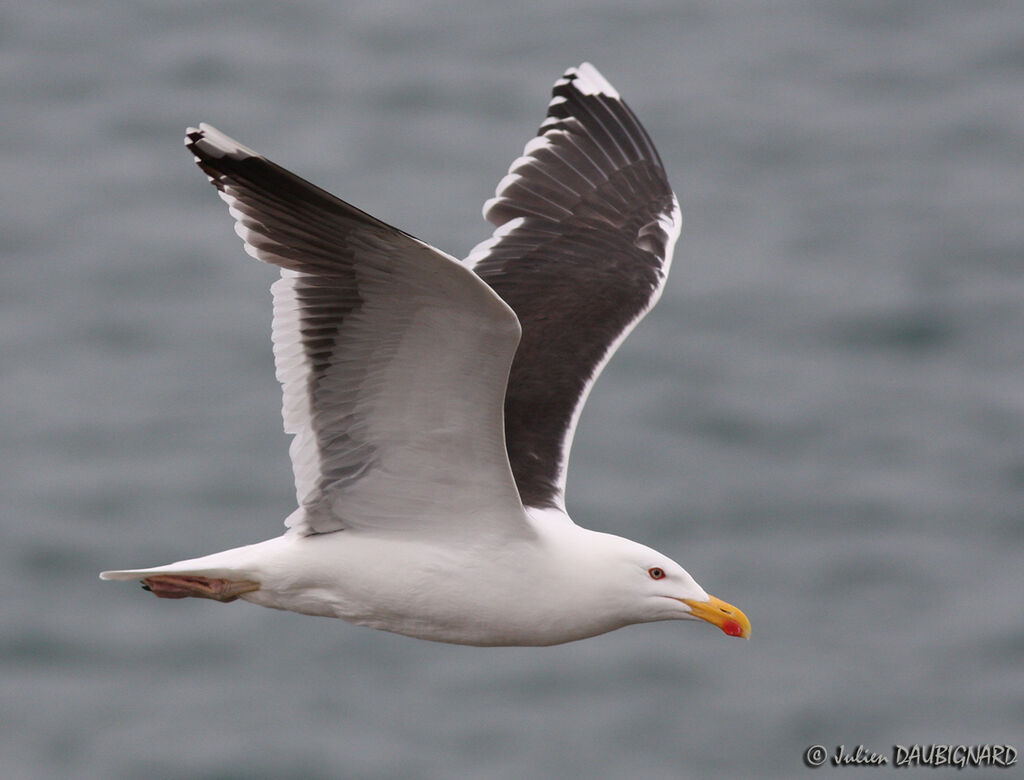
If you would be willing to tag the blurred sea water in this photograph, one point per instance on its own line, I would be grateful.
(823, 420)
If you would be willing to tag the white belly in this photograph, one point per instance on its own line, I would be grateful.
(451, 593)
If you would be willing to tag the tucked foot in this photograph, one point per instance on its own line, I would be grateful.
(182, 586)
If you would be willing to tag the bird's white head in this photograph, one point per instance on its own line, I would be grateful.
(647, 586)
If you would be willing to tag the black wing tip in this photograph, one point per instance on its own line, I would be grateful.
(583, 93)
(595, 136)
(577, 88)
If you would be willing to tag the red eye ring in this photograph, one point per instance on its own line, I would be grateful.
(656, 573)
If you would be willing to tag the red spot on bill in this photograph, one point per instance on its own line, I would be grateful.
(732, 628)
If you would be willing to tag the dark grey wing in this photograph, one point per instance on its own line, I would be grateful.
(586, 223)
(393, 359)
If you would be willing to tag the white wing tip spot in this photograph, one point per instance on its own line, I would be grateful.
(589, 81)
(214, 143)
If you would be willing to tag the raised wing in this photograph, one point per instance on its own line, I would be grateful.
(392, 355)
(586, 223)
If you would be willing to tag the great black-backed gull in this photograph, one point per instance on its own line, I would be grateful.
(433, 402)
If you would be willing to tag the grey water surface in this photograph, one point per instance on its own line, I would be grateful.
(823, 420)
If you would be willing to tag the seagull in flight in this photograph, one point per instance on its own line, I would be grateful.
(433, 402)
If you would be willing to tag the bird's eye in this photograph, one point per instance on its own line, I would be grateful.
(656, 573)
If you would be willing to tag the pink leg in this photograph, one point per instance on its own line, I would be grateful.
(183, 586)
